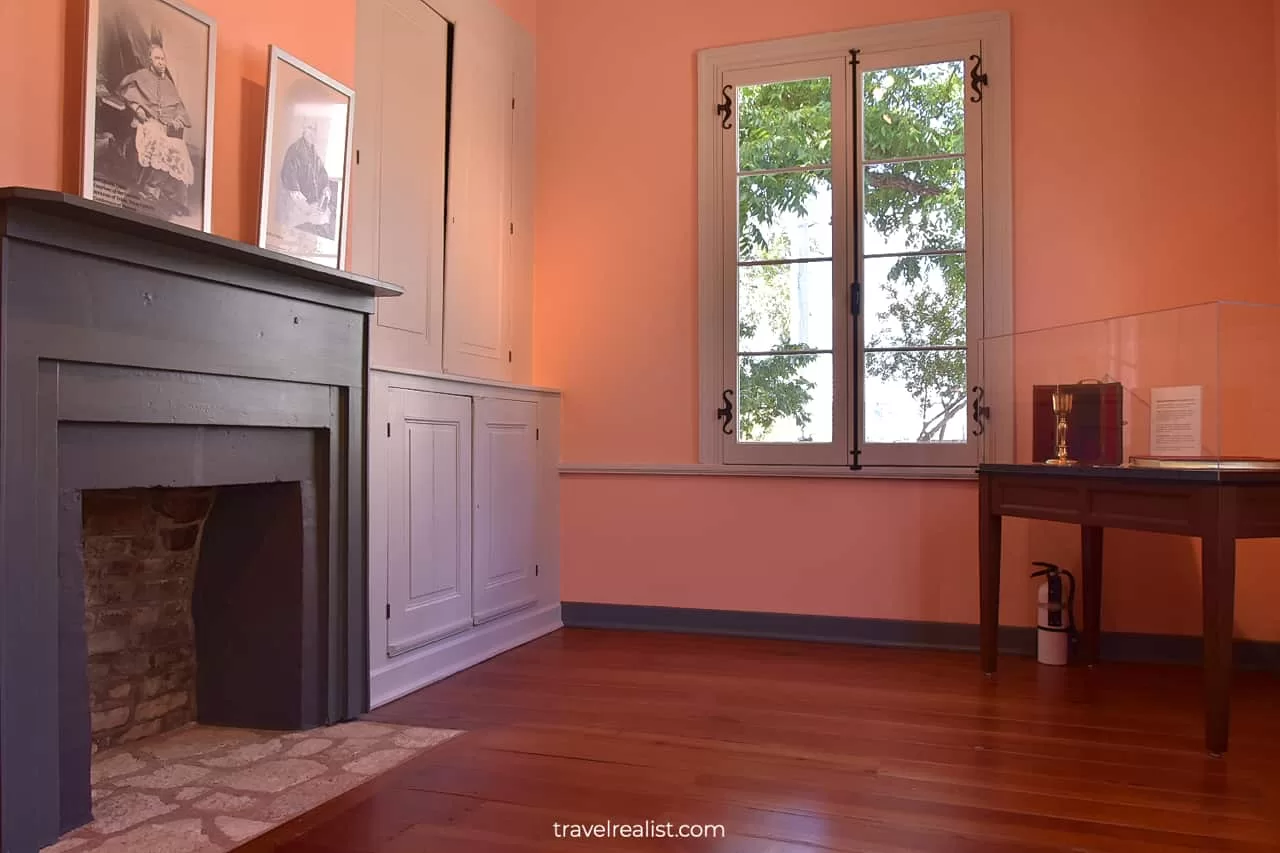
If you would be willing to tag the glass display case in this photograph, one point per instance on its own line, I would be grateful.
(1185, 388)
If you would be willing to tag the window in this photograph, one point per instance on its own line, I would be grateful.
(855, 246)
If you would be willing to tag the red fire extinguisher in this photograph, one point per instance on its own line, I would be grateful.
(1056, 623)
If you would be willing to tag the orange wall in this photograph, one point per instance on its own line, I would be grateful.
(523, 12)
(42, 46)
(1137, 186)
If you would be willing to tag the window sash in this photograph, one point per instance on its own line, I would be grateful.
(836, 451)
(924, 454)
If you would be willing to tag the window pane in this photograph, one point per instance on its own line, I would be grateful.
(915, 396)
(785, 398)
(784, 215)
(913, 206)
(783, 306)
(914, 111)
(781, 125)
(915, 300)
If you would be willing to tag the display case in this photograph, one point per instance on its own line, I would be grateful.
(1193, 387)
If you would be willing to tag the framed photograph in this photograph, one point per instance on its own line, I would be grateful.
(306, 163)
(148, 109)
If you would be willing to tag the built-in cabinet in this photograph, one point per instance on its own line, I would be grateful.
(442, 193)
(463, 460)
(464, 518)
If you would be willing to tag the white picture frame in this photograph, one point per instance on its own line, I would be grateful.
(149, 86)
(306, 162)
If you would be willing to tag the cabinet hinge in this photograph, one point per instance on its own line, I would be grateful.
(388, 429)
(509, 356)
(537, 434)
(511, 226)
(535, 570)
(357, 156)
(513, 103)
(388, 610)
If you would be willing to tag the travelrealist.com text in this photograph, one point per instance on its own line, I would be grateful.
(645, 829)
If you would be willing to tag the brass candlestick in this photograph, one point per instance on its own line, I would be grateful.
(1061, 408)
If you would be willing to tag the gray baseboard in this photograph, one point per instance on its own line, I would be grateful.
(893, 633)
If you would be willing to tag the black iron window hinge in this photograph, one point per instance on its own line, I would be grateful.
(981, 412)
(977, 78)
(725, 412)
(724, 109)
(855, 298)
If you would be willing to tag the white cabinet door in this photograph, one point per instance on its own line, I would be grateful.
(506, 463)
(429, 553)
(519, 294)
(398, 228)
(476, 333)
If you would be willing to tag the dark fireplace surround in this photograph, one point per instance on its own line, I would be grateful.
(134, 354)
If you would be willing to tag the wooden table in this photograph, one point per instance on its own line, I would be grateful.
(1218, 506)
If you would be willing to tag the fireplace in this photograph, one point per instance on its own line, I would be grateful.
(140, 552)
(181, 493)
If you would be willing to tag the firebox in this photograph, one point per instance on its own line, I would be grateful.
(182, 484)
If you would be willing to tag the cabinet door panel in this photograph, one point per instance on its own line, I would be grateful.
(479, 210)
(398, 227)
(429, 565)
(506, 460)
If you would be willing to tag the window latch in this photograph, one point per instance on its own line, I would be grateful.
(855, 298)
(981, 413)
(725, 412)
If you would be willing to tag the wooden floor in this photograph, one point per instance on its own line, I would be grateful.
(797, 746)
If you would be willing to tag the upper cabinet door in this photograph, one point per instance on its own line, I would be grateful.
(477, 302)
(519, 269)
(398, 201)
(429, 519)
(506, 464)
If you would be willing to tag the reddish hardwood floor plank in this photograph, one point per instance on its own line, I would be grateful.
(799, 747)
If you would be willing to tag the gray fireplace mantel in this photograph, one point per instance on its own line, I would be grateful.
(134, 353)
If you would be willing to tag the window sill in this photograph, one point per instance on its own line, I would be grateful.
(791, 471)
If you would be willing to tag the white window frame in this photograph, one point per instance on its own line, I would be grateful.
(990, 309)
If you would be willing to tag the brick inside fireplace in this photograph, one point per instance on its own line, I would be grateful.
(141, 549)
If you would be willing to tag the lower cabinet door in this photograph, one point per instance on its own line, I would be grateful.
(506, 456)
(429, 506)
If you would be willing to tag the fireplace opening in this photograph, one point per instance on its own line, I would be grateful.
(200, 605)
(141, 549)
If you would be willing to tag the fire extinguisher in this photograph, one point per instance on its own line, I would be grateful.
(1056, 625)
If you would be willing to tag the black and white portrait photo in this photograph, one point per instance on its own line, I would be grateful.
(149, 109)
(304, 187)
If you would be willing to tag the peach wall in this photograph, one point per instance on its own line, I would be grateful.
(523, 12)
(45, 50)
(1136, 187)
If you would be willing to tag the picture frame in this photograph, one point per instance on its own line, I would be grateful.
(149, 87)
(306, 162)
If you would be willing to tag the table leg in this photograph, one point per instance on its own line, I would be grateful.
(1218, 572)
(1091, 580)
(989, 523)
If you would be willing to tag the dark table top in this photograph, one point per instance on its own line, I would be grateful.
(1107, 472)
